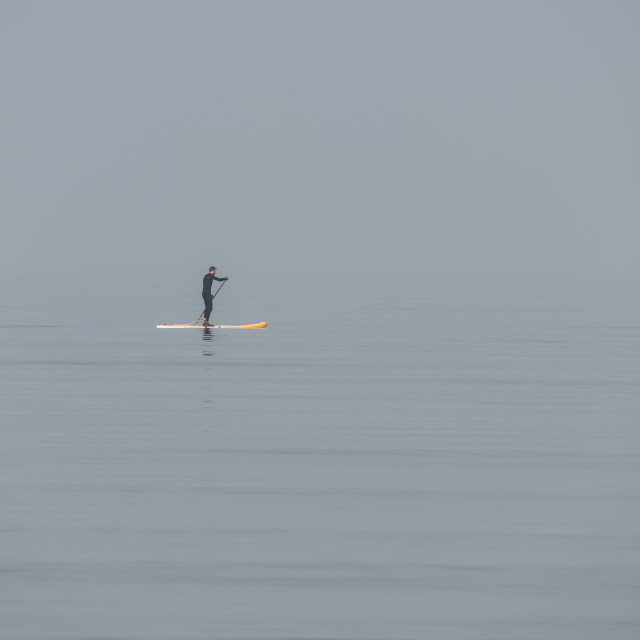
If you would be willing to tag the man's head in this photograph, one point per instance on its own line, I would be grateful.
(212, 269)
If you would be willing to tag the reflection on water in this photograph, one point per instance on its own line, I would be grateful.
(208, 336)
(472, 473)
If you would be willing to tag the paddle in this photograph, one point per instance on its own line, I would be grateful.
(212, 297)
(216, 293)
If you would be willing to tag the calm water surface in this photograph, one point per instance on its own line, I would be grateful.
(399, 467)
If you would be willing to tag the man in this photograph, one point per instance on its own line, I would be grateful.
(207, 281)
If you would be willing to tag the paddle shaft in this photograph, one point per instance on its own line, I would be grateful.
(212, 297)
(216, 293)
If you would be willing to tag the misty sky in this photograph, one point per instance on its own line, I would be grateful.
(320, 139)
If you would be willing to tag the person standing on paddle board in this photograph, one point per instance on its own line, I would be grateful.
(207, 281)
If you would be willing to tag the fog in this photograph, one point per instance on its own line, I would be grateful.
(385, 142)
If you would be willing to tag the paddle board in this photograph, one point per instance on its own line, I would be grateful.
(259, 325)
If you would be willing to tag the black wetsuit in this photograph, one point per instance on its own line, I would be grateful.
(207, 281)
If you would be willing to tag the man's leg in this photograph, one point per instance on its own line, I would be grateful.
(208, 304)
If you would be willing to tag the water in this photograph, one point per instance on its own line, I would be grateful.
(453, 465)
